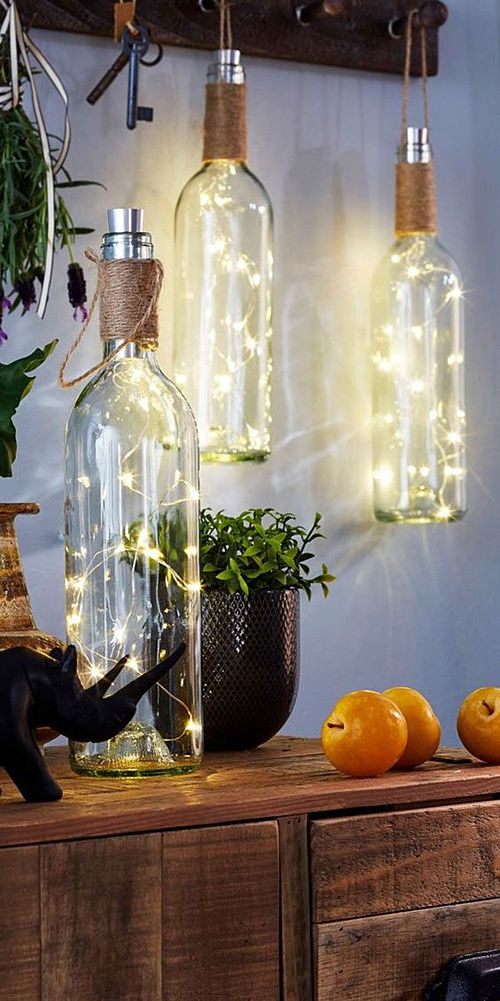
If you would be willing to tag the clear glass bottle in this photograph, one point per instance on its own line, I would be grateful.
(223, 296)
(132, 563)
(418, 374)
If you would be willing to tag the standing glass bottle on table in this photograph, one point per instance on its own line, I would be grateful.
(132, 509)
(417, 355)
(224, 266)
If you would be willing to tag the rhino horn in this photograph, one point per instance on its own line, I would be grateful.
(68, 661)
(140, 685)
(100, 688)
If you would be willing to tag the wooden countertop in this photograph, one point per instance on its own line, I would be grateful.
(287, 776)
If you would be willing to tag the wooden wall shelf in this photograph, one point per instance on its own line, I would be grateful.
(348, 33)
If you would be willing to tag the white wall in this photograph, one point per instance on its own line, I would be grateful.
(413, 605)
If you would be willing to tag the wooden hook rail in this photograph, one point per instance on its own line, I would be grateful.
(430, 14)
(347, 33)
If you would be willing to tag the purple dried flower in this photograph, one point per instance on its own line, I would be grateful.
(84, 313)
(4, 304)
(25, 289)
(77, 290)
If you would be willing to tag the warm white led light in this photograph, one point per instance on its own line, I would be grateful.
(417, 385)
(383, 475)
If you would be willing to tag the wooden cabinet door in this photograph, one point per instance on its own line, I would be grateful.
(394, 956)
(101, 919)
(221, 913)
(19, 924)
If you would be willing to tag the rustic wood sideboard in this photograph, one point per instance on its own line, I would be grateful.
(266, 877)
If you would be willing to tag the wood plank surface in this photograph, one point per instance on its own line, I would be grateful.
(101, 920)
(404, 860)
(393, 957)
(296, 946)
(19, 924)
(221, 914)
(288, 776)
(263, 28)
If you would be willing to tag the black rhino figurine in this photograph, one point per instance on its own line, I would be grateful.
(37, 689)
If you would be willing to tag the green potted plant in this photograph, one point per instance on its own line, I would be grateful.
(253, 569)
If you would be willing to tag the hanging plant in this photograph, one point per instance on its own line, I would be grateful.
(34, 218)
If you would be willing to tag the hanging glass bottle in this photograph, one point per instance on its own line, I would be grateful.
(132, 506)
(417, 355)
(224, 265)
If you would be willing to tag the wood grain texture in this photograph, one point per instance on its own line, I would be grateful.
(101, 920)
(286, 777)
(262, 28)
(19, 924)
(393, 957)
(221, 913)
(398, 861)
(296, 946)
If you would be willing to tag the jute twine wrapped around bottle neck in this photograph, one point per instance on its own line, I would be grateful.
(415, 199)
(225, 126)
(225, 129)
(415, 186)
(127, 292)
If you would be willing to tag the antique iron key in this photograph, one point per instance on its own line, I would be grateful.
(135, 45)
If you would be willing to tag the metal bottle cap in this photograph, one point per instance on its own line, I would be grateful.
(417, 147)
(125, 220)
(126, 238)
(226, 67)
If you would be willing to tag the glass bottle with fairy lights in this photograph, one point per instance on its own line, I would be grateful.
(224, 270)
(418, 355)
(418, 424)
(132, 510)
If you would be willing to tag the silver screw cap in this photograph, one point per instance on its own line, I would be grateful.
(125, 220)
(417, 147)
(226, 67)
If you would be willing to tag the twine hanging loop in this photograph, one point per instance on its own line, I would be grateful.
(127, 292)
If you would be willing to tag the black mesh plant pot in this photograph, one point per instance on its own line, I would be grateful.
(250, 666)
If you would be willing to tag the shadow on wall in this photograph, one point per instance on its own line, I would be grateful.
(322, 372)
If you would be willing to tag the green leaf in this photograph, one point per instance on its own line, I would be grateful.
(15, 384)
(225, 575)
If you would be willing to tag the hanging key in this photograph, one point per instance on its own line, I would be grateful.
(135, 45)
(108, 78)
